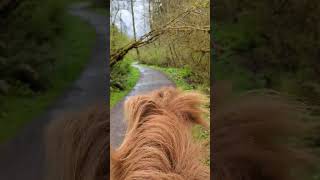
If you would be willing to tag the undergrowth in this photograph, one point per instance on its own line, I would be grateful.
(123, 78)
(71, 48)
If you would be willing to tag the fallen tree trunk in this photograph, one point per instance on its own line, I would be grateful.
(153, 35)
(144, 40)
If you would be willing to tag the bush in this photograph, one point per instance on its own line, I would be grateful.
(28, 55)
(118, 76)
(271, 42)
(117, 38)
(153, 56)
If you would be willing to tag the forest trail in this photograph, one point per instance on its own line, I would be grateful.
(150, 79)
(23, 156)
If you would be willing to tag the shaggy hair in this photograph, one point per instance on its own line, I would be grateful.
(257, 136)
(77, 146)
(158, 142)
(254, 137)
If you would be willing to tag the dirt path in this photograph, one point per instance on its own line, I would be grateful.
(150, 79)
(23, 156)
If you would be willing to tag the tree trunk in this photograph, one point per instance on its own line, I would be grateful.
(134, 28)
(150, 15)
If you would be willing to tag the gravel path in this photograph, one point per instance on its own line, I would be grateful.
(22, 158)
(150, 79)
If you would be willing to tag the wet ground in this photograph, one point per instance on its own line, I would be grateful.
(150, 79)
(22, 158)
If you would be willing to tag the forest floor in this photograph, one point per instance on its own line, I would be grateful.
(23, 156)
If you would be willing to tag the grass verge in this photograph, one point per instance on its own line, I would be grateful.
(74, 49)
(131, 79)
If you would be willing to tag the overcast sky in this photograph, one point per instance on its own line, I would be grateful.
(140, 13)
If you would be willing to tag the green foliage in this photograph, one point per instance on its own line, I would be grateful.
(123, 75)
(126, 76)
(178, 57)
(49, 15)
(121, 70)
(186, 47)
(272, 43)
(119, 74)
(156, 56)
(72, 50)
(117, 39)
(29, 43)
(153, 56)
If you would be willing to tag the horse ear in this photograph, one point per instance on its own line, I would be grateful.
(136, 108)
(191, 106)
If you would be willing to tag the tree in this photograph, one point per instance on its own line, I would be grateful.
(170, 26)
(134, 28)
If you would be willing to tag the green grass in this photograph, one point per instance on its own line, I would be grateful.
(74, 49)
(132, 78)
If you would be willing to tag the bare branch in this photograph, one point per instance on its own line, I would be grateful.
(154, 35)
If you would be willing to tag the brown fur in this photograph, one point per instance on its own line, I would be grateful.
(158, 142)
(77, 146)
(252, 134)
(249, 139)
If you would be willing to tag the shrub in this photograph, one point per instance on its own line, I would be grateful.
(28, 53)
(119, 75)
